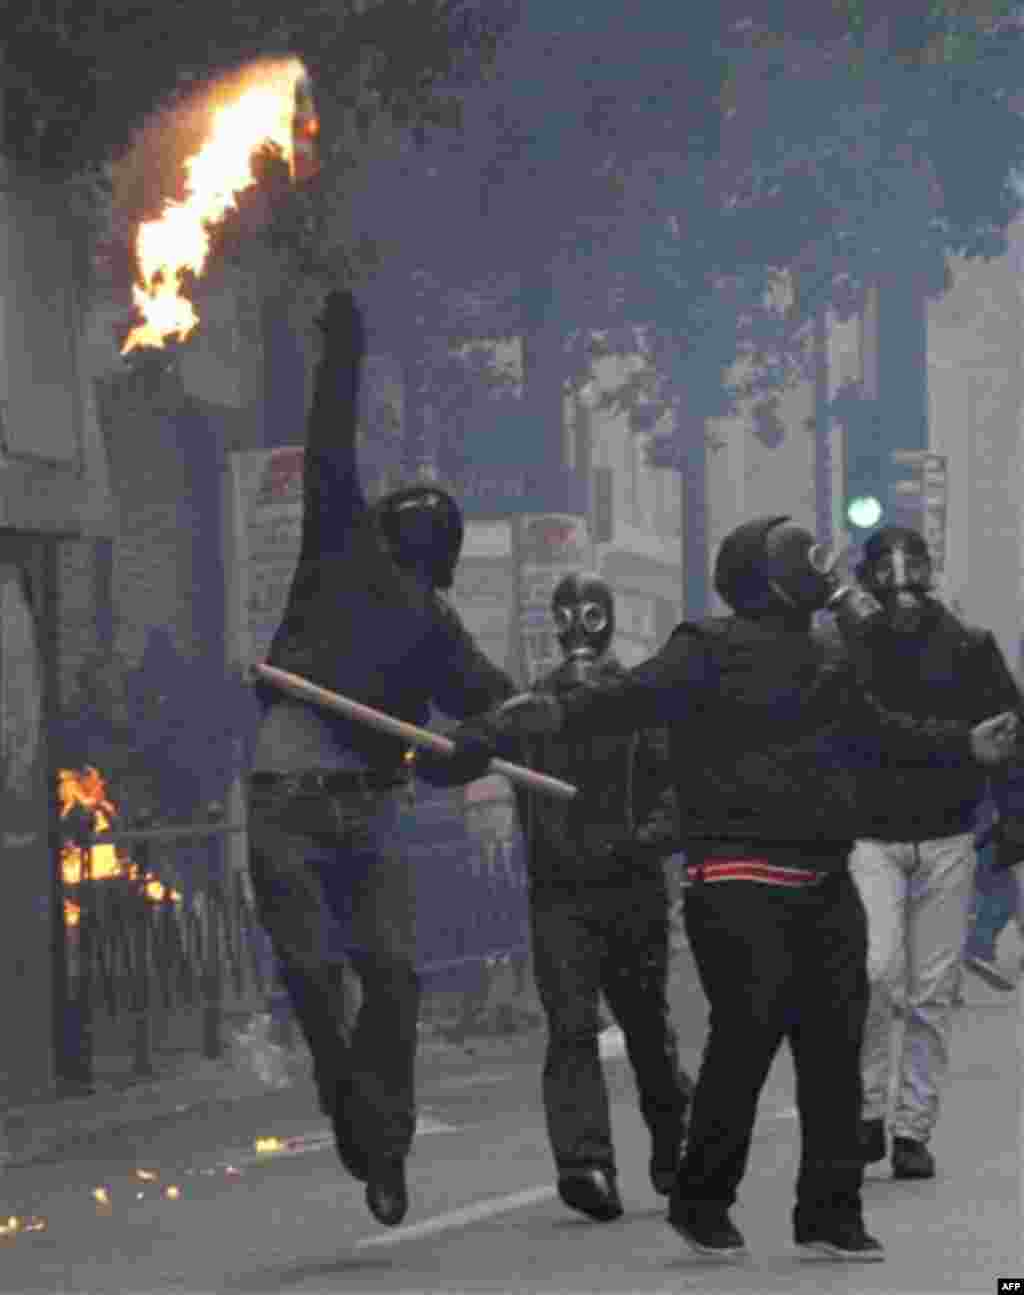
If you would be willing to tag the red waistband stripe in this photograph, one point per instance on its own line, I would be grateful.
(753, 870)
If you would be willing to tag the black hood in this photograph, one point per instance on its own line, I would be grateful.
(434, 545)
(741, 577)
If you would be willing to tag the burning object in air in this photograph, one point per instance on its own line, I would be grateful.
(272, 105)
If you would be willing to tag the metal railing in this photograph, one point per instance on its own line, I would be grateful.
(180, 930)
(196, 942)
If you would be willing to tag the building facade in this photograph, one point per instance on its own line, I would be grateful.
(56, 509)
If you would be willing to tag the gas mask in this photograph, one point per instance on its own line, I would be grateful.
(800, 571)
(583, 610)
(422, 528)
(771, 567)
(897, 571)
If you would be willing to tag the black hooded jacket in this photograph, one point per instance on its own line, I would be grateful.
(355, 622)
(622, 783)
(954, 672)
(765, 719)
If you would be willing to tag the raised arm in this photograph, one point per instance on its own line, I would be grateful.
(333, 498)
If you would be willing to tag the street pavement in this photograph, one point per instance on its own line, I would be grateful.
(196, 1204)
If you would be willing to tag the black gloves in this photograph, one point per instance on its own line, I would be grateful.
(474, 751)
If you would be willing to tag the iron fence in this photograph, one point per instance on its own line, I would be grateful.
(177, 928)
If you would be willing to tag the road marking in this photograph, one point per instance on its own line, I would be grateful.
(468, 1214)
(460, 1218)
(611, 1042)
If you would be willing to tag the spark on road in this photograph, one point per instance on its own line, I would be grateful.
(16, 1225)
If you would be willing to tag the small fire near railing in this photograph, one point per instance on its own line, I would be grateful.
(87, 810)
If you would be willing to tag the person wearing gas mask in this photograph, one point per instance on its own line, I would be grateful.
(599, 917)
(763, 715)
(328, 800)
(915, 860)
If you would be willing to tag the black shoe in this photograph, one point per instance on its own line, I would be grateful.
(591, 1191)
(838, 1238)
(386, 1194)
(667, 1146)
(911, 1159)
(872, 1141)
(708, 1232)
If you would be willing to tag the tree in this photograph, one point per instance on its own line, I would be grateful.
(79, 79)
(700, 185)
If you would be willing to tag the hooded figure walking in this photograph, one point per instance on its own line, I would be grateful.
(915, 859)
(328, 802)
(761, 715)
(599, 918)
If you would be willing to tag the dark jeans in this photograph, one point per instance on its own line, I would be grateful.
(994, 905)
(779, 964)
(611, 940)
(335, 893)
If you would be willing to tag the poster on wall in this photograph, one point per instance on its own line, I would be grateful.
(21, 698)
(262, 532)
(550, 546)
(264, 528)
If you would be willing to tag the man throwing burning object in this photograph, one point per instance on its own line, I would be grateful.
(762, 715)
(365, 617)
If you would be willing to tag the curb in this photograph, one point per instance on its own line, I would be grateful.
(50, 1131)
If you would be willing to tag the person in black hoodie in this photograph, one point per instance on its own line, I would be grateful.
(599, 917)
(915, 860)
(762, 714)
(328, 804)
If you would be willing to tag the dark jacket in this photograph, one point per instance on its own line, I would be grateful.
(622, 783)
(355, 622)
(950, 671)
(762, 715)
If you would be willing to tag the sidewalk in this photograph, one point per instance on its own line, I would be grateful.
(190, 1084)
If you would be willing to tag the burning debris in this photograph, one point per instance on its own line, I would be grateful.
(87, 810)
(273, 106)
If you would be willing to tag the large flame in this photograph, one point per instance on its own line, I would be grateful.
(86, 788)
(263, 112)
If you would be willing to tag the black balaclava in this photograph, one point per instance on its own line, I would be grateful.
(772, 567)
(897, 570)
(583, 609)
(422, 527)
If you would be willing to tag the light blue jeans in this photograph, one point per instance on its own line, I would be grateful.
(917, 896)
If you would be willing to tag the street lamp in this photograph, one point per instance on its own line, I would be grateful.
(864, 511)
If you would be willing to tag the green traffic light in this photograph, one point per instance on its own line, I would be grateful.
(864, 511)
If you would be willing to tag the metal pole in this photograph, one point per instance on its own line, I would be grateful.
(142, 1065)
(412, 733)
(213, 969)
